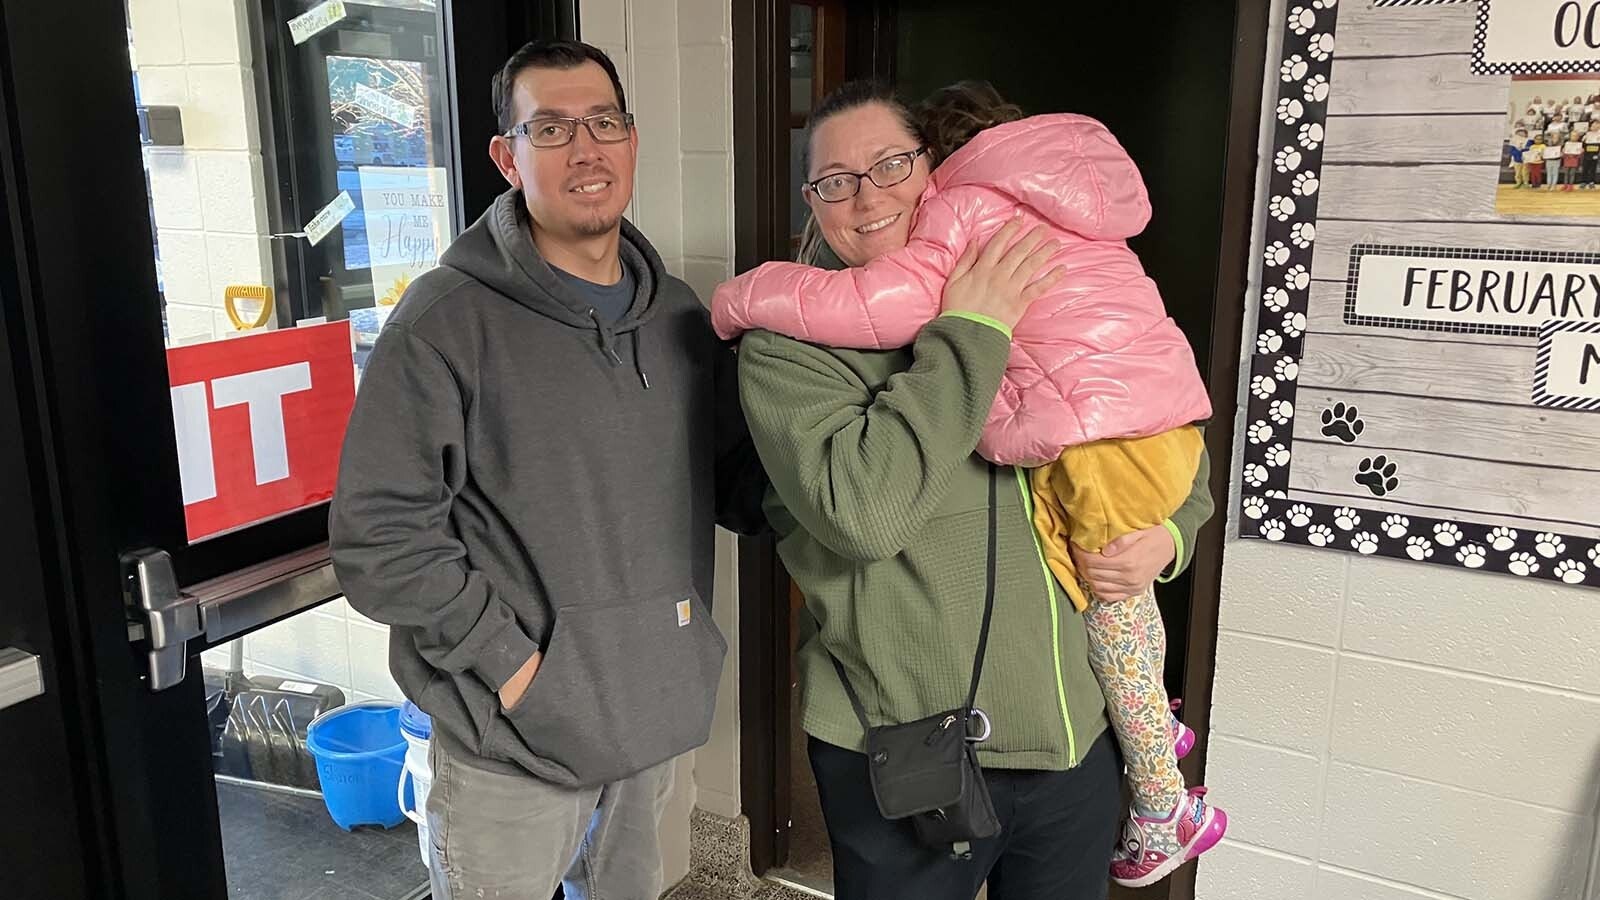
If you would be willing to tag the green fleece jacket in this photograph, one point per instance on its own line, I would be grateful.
(881, 507)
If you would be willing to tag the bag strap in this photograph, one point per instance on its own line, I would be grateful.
(850, 691)
(988, 599)
(983, 633)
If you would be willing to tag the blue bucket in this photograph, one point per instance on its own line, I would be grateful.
(359, 752)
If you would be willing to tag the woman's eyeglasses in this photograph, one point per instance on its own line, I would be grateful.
(886, 172)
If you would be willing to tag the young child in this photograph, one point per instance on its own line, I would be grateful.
(1571, 161)
(1101, 391)
(1535, 158)
(1552, 160)
(1519, 166)
(1591, 158)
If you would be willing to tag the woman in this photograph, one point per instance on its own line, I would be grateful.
(881, 506)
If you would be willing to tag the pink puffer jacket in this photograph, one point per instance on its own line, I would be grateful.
(1097, 357)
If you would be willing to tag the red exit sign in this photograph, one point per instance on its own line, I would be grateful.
(260, 421)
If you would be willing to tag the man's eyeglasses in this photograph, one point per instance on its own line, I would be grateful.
(548, 132)
(886, 172)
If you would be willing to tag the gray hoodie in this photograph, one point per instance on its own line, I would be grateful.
(520, 475)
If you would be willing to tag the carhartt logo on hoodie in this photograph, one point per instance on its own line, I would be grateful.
(685, 610)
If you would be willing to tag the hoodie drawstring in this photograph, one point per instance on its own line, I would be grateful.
(608, 346)
(638, 338)
(605, 338)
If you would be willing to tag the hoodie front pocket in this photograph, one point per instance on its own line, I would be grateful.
(623, 687)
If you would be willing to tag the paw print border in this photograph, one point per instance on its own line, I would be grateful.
(1265, 511)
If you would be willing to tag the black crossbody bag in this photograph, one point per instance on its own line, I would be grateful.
(927, 771)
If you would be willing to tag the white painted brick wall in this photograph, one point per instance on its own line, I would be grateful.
(209, 195)
(314, 645)
(162, 85)
(1273, 691)
(369, 659)
(1385, 730)
(158, 40)
(174, 189)
(214, 31)
(1258, 600)
(190, 324)
(1450, 728)
(655, 26)
(1341, 884)
(185, 270)
(704, 47)
(707, 92)
(658, 186)
(675, 61)
(231, 198)
(331, 644)
(221, 114)
(1466, 785)
(1270, 793)
(1239, 871)
(1482, 631)
(706, 178)
(236, 259)
(1456, 842)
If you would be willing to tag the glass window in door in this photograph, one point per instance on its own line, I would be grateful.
(298, 160)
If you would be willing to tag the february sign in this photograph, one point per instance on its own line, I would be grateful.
(1471, 291)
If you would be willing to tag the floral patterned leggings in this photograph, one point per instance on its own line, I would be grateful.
(1127, 651)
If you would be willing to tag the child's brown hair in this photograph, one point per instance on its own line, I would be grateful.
(953, 115)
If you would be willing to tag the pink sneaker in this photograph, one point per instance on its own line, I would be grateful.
(1153, 848)
(1182, 735)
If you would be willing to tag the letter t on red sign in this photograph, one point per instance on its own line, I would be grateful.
(260, 422)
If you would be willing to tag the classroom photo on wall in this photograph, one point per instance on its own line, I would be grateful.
(1550, 161)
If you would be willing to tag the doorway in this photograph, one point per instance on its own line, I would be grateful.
(1180, 87)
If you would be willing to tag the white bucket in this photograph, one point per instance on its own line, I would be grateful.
(421, 775)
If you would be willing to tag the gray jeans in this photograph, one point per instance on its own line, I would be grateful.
(498, 832)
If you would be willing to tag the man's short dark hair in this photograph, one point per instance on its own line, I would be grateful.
(546, 54)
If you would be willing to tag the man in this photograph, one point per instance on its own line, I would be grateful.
(543, 439)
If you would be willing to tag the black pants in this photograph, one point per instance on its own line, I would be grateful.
(1057, 833)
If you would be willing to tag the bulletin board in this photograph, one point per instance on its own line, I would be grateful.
(1424, 381)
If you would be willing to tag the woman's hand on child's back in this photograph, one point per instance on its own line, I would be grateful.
(1002, 279)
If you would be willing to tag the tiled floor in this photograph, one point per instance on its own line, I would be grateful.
(281, 846)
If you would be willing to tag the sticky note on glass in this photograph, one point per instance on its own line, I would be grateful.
(330, 217)
(305, 26)
(377, 101)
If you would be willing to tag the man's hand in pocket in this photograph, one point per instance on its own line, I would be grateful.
(511, 692)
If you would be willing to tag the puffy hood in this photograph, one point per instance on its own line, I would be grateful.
(1068, 168)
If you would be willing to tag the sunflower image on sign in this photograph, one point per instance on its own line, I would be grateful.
(395, 291)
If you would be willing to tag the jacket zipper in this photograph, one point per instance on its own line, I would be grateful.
(1055, 618)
